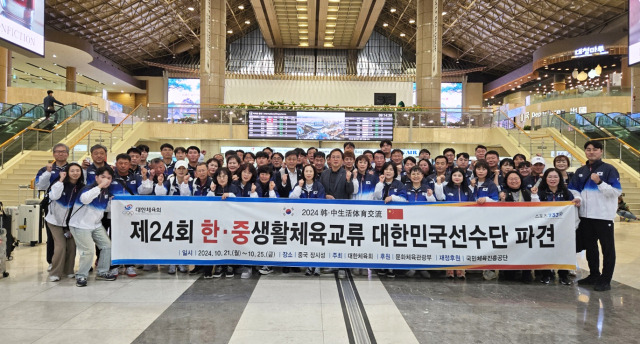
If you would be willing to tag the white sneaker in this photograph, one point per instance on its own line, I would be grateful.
(265, 270)
(54, 278)
(355, 271)
(246, 272)
(171, 270)
(71, 276)
(131, 272)
(342, 273)
(50, 267)
(115, 271)
(183, 268)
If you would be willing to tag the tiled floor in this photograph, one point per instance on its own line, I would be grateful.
(159, 308)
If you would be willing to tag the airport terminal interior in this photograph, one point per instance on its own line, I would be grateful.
(536, 79)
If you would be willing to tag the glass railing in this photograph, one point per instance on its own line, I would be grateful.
(411, 117)
(18, 117)
(11, 113)
(598, 125)
(34, 138)
(627, 121)
(614, 148)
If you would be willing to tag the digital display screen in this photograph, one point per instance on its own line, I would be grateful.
(22, 24)
(326, 126)
(634, 32)
(451, 101)
(184, 98)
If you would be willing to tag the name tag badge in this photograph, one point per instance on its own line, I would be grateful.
(599, 173)
(368, 182)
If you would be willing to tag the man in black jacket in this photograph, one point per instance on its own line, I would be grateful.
(48, 102)
(337, 182)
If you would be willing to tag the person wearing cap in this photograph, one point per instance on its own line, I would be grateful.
(537, 170)
(598, 185)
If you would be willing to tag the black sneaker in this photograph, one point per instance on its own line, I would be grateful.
(391, 274)
(229, 273)
(285, 270)
(207, 275)
(545, 280)
(309, 272)
(196, 270)
(81, 282)
(218, 272)
(589, 280)
(526, 277)
(602, 287)
(565, 280)
(105, 277)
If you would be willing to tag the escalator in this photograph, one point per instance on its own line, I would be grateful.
(623, 149)
(17, 117)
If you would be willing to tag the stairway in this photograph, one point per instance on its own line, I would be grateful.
(20, 171)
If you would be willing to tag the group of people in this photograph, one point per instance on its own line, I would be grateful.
(79, 194)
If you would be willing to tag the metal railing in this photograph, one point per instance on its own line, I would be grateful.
(106, 137)
(35, 138)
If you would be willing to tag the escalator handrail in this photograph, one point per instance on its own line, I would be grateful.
(24, 113)
(7, 142)
(630, 118)
(628, 146)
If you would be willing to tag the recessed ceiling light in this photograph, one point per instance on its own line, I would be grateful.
(332, 17)
(444, 13)
(304, 44)
(304, 38)
(411, 21)
(247, 22)
(114, 83)
(190, 8)
(301, 8)
(121, 91)
(385, 24)
(392, 10)
(54, 55)
(229, 31)
(330, 32)
(302, 16)
(241, 7)
(328, 38)
(302, 24)
(328, 44)
(333, 9)
(402, 35)
(330, 24)
(303, 31)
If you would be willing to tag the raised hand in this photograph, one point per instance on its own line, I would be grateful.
(49, 167)
(104, 184)
(272, 185)
(62, 176)
(429, 192)
(213, 187)
(284, 178)
(440, 179)
(186, 179)
(381, 178)
(534, 190)
(160, 178)
(143, 172)
(388, 199)
(301, 183)
(481, 200)
(503, 196)
(348, 175)
(253, 188)
(474, 181)
(596, 178)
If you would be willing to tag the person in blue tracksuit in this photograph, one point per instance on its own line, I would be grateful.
(416, 190)
(246, 183)
(484, 189)
(308, 187)
(265, 183)
(553, 189)
(366, 179)
(86, 227)
(456, 190)
(516, 191)
(506, 165)
(389, 188)
(90, 166)
(598, 185)
(222, 186)
(63, 195)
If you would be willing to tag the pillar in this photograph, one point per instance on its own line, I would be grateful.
(71, 79)
(213, 41)
(278, 61)
(429, 53)
(352, 62)
(626, 73)
(635, 87)
(559, 83)
(4, 74)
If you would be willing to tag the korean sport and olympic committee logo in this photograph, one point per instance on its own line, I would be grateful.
(128, 210)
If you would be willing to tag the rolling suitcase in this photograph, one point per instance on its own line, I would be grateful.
(3, 253)
(29, 229)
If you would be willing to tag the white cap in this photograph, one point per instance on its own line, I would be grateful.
(181, 163)
(538, 160)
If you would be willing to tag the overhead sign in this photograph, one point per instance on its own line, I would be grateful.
(590, 51)
(22, 24)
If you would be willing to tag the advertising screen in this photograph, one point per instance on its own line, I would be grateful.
(22, 24)
(326, 126)
(634, 32)
(184, 98)
(450, 101)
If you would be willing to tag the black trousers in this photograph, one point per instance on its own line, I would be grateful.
(50, 244)
(589, 232)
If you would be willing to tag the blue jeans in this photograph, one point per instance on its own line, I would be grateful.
(86, 242)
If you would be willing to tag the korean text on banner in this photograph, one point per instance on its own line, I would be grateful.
(323, 233)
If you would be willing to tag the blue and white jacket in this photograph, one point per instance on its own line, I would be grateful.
(395, 189)
(134, 184)
(44, 179)
(62, 197)
(315, 190)
(196, 188)
(245, 190)
(598, 201)
(487, 189)
(366, 186)
(453, 193)
(90, 207)
(419, 194)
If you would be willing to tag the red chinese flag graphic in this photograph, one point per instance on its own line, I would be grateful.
(395, 214)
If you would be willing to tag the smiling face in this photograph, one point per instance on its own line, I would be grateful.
(309, 173)
(246, 175)
(75, 172)
(457, 178)
(481, 172)
(389, 173)
(553, 179)
(212, 167)
(416, 177)
(223, 179)
(561, 164)
(513, 181)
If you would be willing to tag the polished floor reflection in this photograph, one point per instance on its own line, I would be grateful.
(292, 308)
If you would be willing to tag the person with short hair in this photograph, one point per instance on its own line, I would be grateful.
(268, 150)
(289, 175)
(349, 162)
(319, 163)
(86, 227)
(424, 154)
(144, 155)
(240, 154)
(135, 155)
(598, 186)
(90, 166)
(277, 159)
(249, 158)
(524, 169)
(378, 162)
(166, 151)
(369, 154)
(338, 183)
(385, 147)
(262, 159)
(311, 151)
(562, 164)
(49, 108)
(366, 180)
(493, 159)
(349, 147)
(450, 154)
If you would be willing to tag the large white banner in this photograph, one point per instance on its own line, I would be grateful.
(334, 233)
